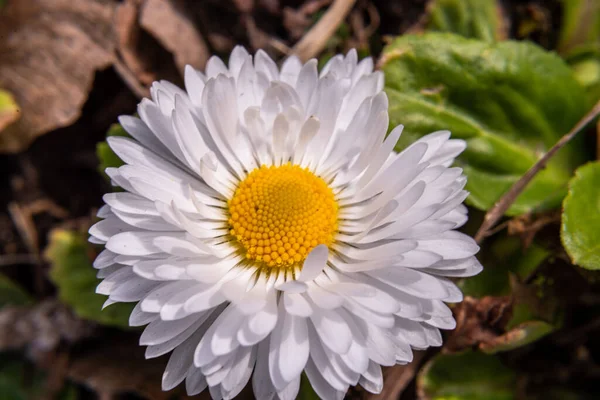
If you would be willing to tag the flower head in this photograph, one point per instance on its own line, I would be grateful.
(268, 227)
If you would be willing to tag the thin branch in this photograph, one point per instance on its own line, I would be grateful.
(316, 38)
(493, 215)
(13, 259)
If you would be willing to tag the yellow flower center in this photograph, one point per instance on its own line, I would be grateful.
(279, 214)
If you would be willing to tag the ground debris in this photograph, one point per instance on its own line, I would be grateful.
(71, 40)
(40, 328)
(478, 322)
(116, 366)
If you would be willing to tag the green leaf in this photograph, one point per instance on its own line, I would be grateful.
(521, 335)
(18, 379)
(586, 69)
(510, 101)
(75, 278)
(580, 30)
(466, 376)
(11, 293)
(306, 391)
(502, 257)
(480, 19)
(107, 158)
(9, 110)
(580, 229)
(579, 43)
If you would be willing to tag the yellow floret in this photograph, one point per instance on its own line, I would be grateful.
(279, 214)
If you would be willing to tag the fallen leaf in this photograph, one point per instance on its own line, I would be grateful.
(167, 23)
(478, 321)
(128, 34)
(521, 335)
(156, 40)
(49, 53)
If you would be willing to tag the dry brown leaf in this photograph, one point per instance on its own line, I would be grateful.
(164, 21)
(128, 34)
(49, 53)
(478, 321)
(155, 40)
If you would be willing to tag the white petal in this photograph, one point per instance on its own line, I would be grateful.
(320, 385)
(294, 347)
(333, 330)
(314, 263)
(372, 380)
(291, 390)
(160, 331)
(297, 304)
(179, 363)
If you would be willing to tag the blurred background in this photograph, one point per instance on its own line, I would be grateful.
(511, 77)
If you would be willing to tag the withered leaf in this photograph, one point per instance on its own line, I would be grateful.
(49, 53)
(156, 40)
(167, 23)
(479, 321)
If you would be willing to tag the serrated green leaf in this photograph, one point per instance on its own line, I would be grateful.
(480, 19)
(9, 110)
(466, 376)
(580, 229)
(73, 274)
(510, 101)
(11, 293)
(106, 157)
(521, 335)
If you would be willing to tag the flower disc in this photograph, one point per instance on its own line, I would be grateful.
(279, 214)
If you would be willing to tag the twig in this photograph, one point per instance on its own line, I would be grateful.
(493, 215)
(316, 38)
(25, 226)
(12, 259)
(46, 205)
(261, 40)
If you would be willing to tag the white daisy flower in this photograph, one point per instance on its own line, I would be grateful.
(267, 227)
